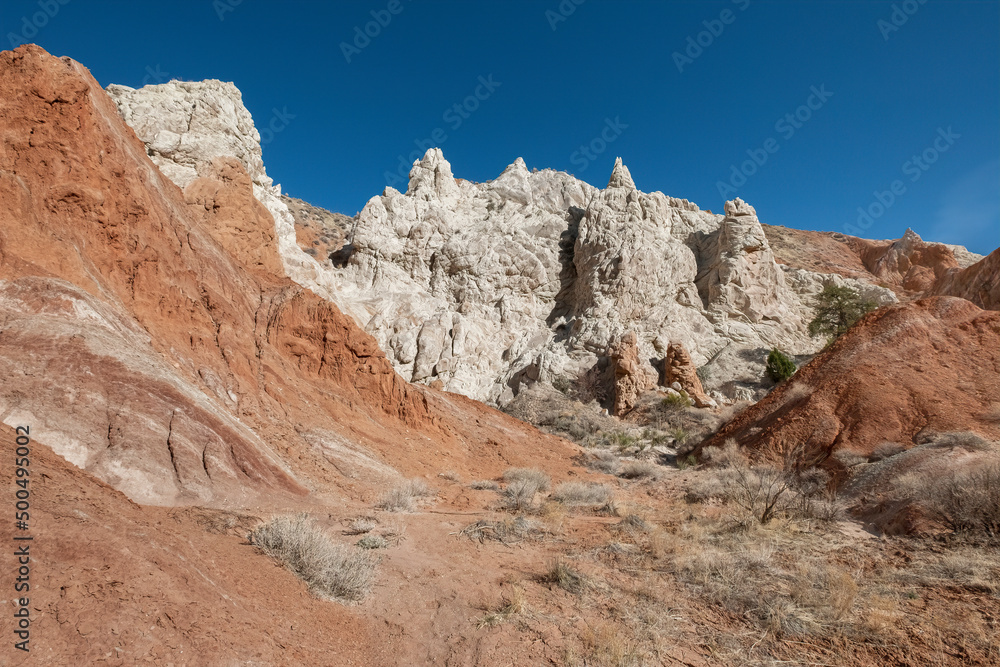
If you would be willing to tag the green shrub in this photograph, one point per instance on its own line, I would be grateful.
(677, 401)
(779, 366)
(836, 311)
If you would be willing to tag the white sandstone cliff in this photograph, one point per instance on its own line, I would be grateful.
(529, 277)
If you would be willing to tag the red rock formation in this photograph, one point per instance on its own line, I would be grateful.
(152, 339)
(932, 364)
(979, 283)
(908, 266)
(631, 376)
(678, 367)
(907, 262)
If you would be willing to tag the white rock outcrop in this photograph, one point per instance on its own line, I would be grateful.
(529, 277)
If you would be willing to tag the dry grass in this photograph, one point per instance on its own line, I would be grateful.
(604, 461)
(639, 470)
(582, 493)
(329, 569)
(541, 481)
(966, 501)
(519, 495)
(512, 604)
(507, 530)
(564, 576)
(403, 498)
(484, 485)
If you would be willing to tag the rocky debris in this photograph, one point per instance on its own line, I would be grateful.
(163, 350)
(679, 370)
(932, 364)
(979, 282)
(631, 377)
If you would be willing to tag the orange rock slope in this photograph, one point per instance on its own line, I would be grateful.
(930, 365)
(909, 266)
(150, 337)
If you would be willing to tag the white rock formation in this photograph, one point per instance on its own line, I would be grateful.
(528, 277)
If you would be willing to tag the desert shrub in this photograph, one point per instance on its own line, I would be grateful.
(361, 526)
(679, 434)
(619, 440)
(539, 478)
(966, 501)
(836, 310)
(677, 401)
(373, 542)
(564, 576)
(885, 450)
(726, 456)
(402, 498)
(639, 470)
(848, 458)
(779, 366)
(519, 495)
(329, 569)
(967, 440)
(762, 491)
(484, 485)
(582, 493)
(604, 461)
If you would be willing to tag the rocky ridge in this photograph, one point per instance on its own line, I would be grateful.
(482, 287)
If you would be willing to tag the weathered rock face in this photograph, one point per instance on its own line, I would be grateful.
(979, 282)
(678, 367)
(483, 287)
(631, 377)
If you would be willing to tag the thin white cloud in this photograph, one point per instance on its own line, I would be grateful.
(969, 213)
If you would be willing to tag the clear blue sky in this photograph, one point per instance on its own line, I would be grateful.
(681, 126)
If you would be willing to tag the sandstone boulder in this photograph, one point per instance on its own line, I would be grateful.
(679, 370)
(631, 377)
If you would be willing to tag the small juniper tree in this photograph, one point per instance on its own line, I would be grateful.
(779, 366)
(837, 309)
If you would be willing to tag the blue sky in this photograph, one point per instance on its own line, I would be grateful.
(808, 110)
